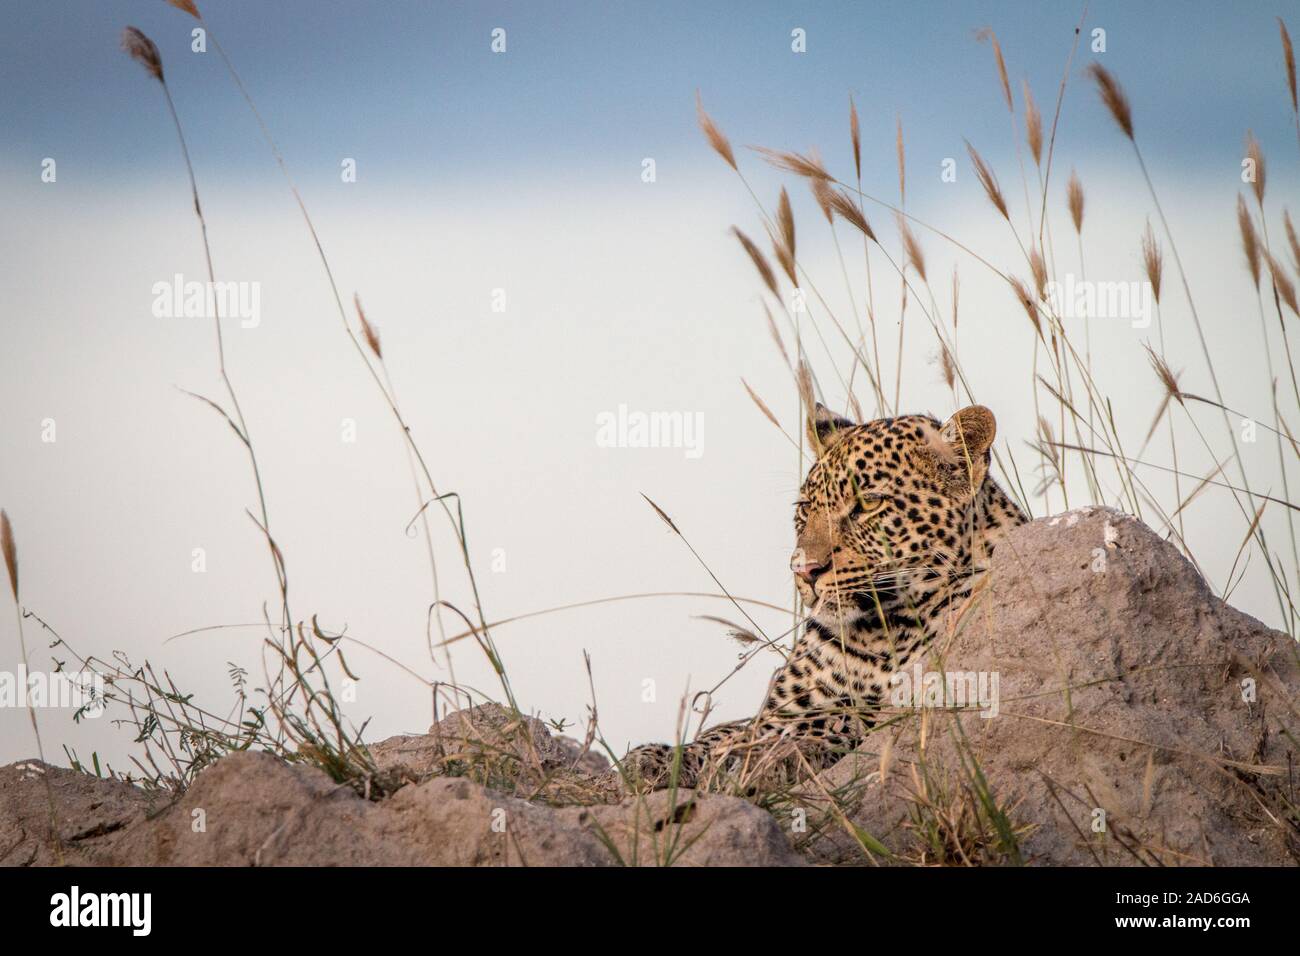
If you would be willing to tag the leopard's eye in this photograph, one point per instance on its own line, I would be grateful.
(863, 507)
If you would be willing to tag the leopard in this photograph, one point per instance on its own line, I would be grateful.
(895, 526)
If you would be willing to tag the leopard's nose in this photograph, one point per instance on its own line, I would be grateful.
(809, 571)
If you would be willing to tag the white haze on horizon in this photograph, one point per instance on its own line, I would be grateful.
(627, 294)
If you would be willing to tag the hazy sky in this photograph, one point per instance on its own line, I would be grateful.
(485, 177)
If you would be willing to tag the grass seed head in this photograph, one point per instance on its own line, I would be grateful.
(760, 261)
(1039, 271)
(1285, 287)
(1112, 94)
(1026, 299)
(776, 336)
(1074, 199)
(1033, 126)
(143, 50)
(1288, 56)
(1249, 239)
(915, 255)
(855, 134)
(840, 203)
(956, 289)
(10, 552)
(949, 368)
(806, 166)
(721, 145)
(902, 175)
(762, 405)
(989, 182)
(808, 395)
(736, 632)
(1291, 238)
(821, 193)
(1153, 260)
(372, 337)
(1167, 376)
(987, 35)
(783, 241)
(1256, 157)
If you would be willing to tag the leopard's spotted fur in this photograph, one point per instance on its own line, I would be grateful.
(894, 527)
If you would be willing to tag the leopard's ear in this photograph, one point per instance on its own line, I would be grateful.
(969, 435)
(825, 428)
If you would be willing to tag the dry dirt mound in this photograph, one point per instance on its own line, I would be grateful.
(1139, 720)
(513, 752)
(253, 809)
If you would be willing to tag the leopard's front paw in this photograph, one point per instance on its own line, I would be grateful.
(656, 767)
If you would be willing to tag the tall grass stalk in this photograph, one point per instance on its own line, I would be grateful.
(428, 494)
(141, 49)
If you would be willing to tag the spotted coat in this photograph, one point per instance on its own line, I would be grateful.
(894, 527)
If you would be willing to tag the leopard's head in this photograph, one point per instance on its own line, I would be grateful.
(886, 508)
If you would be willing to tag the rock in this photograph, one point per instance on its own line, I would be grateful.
(254, 809)
(502, 750)
(486, 732)
(463, 824)
(1139, 720)
(1121, 684)
(689, 829)
(87, 808)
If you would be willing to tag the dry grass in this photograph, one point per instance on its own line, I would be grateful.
(1288, 58)
(807, 166)
(1291, 239)
(1153, 260)
(760, 262)
(1282, 282)
(1074, 200)
(955, 819)
(989, 182)
(839, 203)
(368, 330)
(1067, 395)
(912, 248)
(143, 50)
(1028, 303)
(987, 35)
(1033, 126)
(10, 551)
(783, 243)
(721, 145)
(1249, 239)
(855, 136)
(1112, 95)
(1256, 157)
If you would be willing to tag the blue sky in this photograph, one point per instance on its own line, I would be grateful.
(412, 91)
